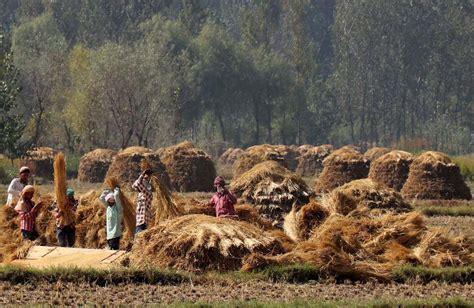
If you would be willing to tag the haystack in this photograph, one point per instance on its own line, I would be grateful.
(40, 161)
(434, 176)
(341, 167)
(126, 165)
(375, 152)
(93, 166)
(230, 156)
(190, 169)
(391, 169)
(310, 162)
(272, 189)
(199, 242)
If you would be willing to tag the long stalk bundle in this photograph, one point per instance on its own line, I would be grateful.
(163, 203)
(129, 214)
(60, 187)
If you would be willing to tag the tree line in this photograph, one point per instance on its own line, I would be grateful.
(97, 73)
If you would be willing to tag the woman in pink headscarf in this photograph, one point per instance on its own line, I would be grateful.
(28, 211)
(223, 200)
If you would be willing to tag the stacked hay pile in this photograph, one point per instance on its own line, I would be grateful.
(40, 161)
(391, 169)
(271, 189)
(126, 165)
(375, 152)
(370, 240)
(310, 162)
(230, 156)
(433, 175)
(94, 165)
(341, 167)
(200, 242)
(190, 169)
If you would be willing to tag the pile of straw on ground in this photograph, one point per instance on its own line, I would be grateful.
(341, 167)
(93, 166)
(434, 176)
(375, 152)
(230, 156)
(200, 242)
(190, 169)
(391, 169)
(126, 166)
(40, 161)
(271, 189)
(310, 162)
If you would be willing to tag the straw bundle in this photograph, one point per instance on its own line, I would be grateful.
(300, 223)
(391, 169)
(375, 152)
(40, 161)
(60, 187)
(434, 176)
(164, 206)
(199, 242)
(310, 162)
(129, 214)
(230, 156)
(93, 166)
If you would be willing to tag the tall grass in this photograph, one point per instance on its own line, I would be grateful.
(466, 164)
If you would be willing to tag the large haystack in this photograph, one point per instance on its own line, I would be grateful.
(190, 169)
(126, 166)
(391, 169)
(375, 152)
(94, 165)
(40, 161)
(310, 162)
(272, 189)
(434, 176)
(230, 156)
(200, 242)
(341, 167)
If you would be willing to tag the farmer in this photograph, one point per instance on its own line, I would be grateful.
(223, 200)
(17, 185)
(28, 211)
(66, 233)
(145, 197)
(113, 216)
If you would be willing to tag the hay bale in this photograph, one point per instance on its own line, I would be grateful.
(391, 169)
(199, 242)
(230, 156)
(375, 152)
(271, 189)
(310, 162)
(93, 166)
(60, 187)
(126, 166)
(341, 167)
(40, 161)
(434, 176)
(190, 169)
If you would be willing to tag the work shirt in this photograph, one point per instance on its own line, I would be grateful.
(145, 197)
(113, 214)
(59, 223)
(14, 191)
(28, 214)
(224, 203)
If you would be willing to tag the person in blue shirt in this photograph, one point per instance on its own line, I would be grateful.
(113, 216)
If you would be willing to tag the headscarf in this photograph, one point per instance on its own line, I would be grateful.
(219, 182)
(70, 193)
(21, 205)
(109, 197)
(24, 169)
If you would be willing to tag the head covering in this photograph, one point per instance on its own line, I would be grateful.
(24, 169)
(28, 188)
(70, 193)
(219, 182)
(109, 197)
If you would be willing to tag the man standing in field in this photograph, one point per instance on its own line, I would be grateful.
(28, 212)
(223, 200)
(145, 197)
(113, 216)
(17, 185)
(66, 233)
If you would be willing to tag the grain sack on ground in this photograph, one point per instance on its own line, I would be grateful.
(189, 169)
(200, 242)
(230, 156)
(434, 176)
(374, 153)
(391, 169)
(341, 167)
(310, 162)
(271, 189)
(94, 165)
(40, 161)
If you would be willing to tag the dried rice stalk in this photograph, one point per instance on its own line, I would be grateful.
(60, 187)
(163, 203)
(129, 214)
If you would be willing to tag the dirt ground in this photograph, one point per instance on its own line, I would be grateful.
(77, 294)
(456, 226)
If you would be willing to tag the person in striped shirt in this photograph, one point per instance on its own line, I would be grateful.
(28, 211)
(145, 197)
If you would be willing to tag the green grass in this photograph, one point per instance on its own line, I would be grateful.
(466, 164)
(461, 274)
(462, 210)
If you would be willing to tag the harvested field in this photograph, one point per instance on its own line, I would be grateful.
(94, 165)
(40, 161)
(453, 226)
(375, 152)
(310, 161)
(434, 176)
(391, 169)
(189, 169)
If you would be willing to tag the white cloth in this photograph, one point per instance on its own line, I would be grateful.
(14, 191)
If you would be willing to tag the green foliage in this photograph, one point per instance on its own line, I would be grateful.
(462, 210)
(466, 164)
(461, 274)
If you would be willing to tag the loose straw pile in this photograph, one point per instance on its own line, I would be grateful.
(60, 187)
(163, 203)
(129, 214)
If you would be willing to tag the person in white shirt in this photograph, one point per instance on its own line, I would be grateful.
(17, 185)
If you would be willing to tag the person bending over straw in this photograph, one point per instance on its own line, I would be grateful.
(113, 216)
(66, 233)
(145, 197)
(28, 212)
(223, 200)
(17, 185)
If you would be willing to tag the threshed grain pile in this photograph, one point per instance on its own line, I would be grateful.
(40, 161)
(126, 166)
(230, 156)
(200, 242)
(271, 189)
(310, 162)
(341, 167)
(189, 168)
(434, 176)
(374, 153)
(391, 169)
(94, 165)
